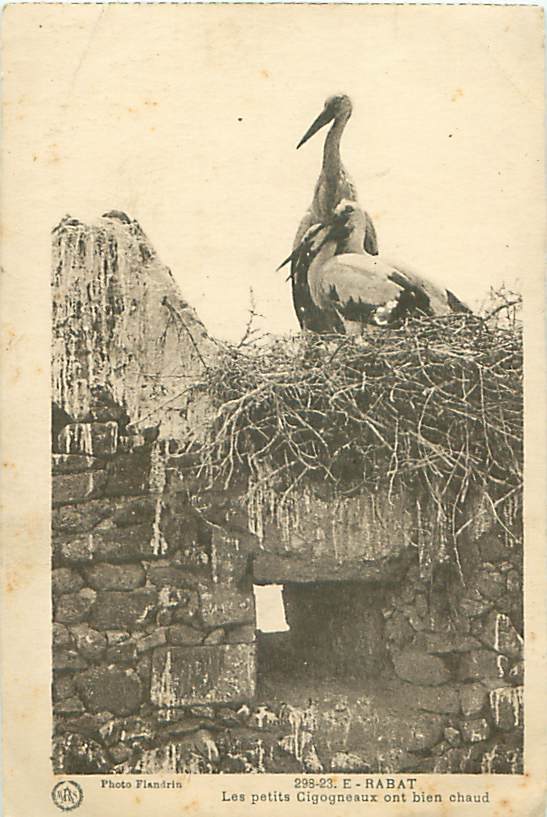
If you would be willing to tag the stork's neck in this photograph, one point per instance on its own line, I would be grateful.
(353, 243)
(332, 163)
(326, 252)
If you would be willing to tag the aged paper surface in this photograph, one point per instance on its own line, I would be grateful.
(183, 120)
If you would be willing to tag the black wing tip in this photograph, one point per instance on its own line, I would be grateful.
(456, 305)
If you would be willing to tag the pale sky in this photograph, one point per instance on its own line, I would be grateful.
(188, 117)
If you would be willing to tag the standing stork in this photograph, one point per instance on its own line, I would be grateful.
(332, 186)
(349, 288)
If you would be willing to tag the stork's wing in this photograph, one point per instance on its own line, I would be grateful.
(309, 315)
(359, 289)
(442, 301)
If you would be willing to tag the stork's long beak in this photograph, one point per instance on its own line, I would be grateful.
(323, 119)
(289, 258)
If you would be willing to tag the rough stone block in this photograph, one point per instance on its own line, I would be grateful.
(156, 639)
(62, 687)
(182, 528)
(418, 732)
(114, 637)
(183, 676)
(131, 609)
(445, 643)
(420, 668)
(475, 730)
(68, 707)
(120, 753)
(65, 580)
(452, 736)
(443, 700)
(113, 545)
(507, 707)
(225, 605)
(491, 583)
(80, 518)
(349, 763)
(129, 444)
(172, 598)
(115, 577)
(144, 671)
(74, 463)
(409, 611)
(91, 644)
(66, 659)
(274, 568)
(367, 527)
(499, 634)
(399, 759)
(124, 653)
(73, 488)
(72, 608)
(215, 636)
(93, 439)
(455, 760)
(183, 634)
(472, 607)
(136, 512)
(164, 616)
(229, 558)
(75, 754)
(482, 664)
(126, 731)
(194, 558)
(60, 635)
(420, 605)
(501, 759)
(397, 630)
(241, 634)
(188, 612)
(473, 699)
(514, 582)
(165, 575)
(517, 674)
(492, 549)
(110, 688)
(128, 475)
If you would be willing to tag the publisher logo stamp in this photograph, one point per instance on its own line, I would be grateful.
(67, 795)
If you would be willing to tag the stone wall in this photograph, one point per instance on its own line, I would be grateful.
(157, 664)
(139, 624)
(154, 656)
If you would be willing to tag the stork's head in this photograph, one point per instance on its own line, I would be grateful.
(336, 107)
(350, 214)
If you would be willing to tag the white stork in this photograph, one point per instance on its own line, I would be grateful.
(332, 186)
(349, 288)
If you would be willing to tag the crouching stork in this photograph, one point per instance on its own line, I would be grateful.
(340, 288)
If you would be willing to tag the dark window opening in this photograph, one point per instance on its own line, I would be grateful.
(334, 630)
